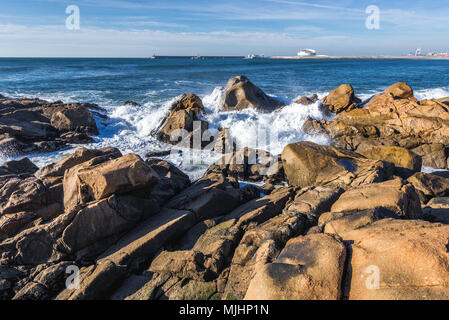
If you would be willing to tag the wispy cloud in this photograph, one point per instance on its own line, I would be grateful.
(140, 28)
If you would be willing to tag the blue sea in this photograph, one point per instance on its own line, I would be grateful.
(155, 84)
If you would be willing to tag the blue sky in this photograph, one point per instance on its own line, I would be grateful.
(137, 28)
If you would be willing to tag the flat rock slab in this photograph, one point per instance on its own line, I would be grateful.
(309, 268)
(398, 260)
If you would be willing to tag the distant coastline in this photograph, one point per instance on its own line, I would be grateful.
(302, 58)
(359, 57)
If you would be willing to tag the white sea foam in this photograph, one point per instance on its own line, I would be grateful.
(433, 93)
(268, 131)
(130, 128)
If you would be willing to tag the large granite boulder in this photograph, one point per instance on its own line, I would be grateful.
(184, 125)
(309, 164)
(308, 268)
(240, 93)
(87, 182)
(394, 196)
(398, 260)
(400, 157)
(74, 118)
(341, 99)
(81, 155)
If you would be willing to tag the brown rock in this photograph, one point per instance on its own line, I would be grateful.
(98, 280)
(308, 268)
(341, 99)
(18, 195)
(408, 259)
(188, 102)
(394, 196)
(58, 169)
(211, 196)
(84, 233)
(171, 180)
(23, 166)
(103, 219)
(400, 157)
(84, 183)
(308, 164)
(262, 244)
(433, 155)
(11, 224)
(340, 222)
(249, 165)
(400, 90)
(183, 122)
(437, 210)
(240, 93)
(74, 118)
(429, 186)
(307, 100)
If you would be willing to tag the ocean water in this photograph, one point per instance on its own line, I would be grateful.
(155, 84)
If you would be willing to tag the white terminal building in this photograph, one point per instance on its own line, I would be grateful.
(307, 53)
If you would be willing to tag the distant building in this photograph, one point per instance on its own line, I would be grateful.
(418, 52)
(307, 53)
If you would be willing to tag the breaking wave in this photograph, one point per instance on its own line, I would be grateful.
(130, 127)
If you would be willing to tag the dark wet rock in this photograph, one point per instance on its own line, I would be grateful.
(157, 154)
(171, 180)
(23, 167)
(429, 186)
(132, 103)
(211, 196)
(34, 125)
(437, 210)
(307, 100)
(250, 165)
(45, 284)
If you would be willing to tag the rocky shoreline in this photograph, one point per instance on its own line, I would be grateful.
(353, 220)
